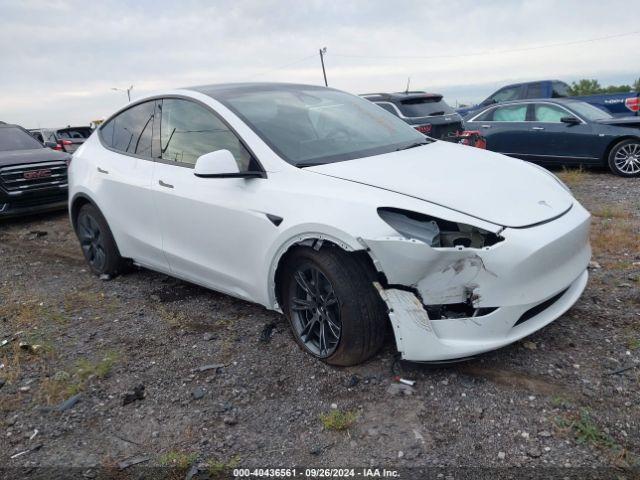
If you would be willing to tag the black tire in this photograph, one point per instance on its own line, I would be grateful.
(97, 243)
(362, 313)
(624, 158)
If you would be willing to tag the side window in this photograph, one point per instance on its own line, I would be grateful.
(544, 112)
(506, 94)
(131, 131)
(560, 90)
(189, 130)
(510, 113)
(486, 116)
(534, 90)
(389, 108)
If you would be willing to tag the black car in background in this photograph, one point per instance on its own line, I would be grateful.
(66, 139)
(33, 178)
(561, 132)
(426, 112)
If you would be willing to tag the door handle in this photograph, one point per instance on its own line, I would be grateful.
(106, 172)
(485, 126)
(537, 128)
(166, 185)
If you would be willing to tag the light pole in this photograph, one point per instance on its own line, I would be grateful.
(323, 52)
(128, 90)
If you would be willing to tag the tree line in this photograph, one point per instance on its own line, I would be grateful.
(590, 86)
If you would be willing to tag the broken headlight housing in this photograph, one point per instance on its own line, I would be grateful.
(436, 232)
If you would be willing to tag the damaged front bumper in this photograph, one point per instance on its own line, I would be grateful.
(511, 289)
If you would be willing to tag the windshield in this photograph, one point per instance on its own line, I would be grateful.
(13, 138)
(588, 111)
(424, 107)
(312, 126)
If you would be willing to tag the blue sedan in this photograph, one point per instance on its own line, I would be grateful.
(561, 132)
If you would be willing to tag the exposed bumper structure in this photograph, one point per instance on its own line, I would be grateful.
(513, 288)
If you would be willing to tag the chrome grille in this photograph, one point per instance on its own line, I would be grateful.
(33, 176)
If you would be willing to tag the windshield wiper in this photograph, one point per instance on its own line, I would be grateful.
(412, 145)
(309, 164)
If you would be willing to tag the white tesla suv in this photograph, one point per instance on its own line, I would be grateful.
(323, 206)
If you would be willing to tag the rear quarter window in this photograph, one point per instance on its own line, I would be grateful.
(131, 131)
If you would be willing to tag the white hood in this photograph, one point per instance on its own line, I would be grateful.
(486, 185)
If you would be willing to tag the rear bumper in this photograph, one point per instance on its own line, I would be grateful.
(524, 283)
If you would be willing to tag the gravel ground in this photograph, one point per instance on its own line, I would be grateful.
(225, 384)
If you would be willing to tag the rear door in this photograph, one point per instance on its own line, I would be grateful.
(124, 174)
(505, 128)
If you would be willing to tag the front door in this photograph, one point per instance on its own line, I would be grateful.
(212, 228)
(557, 141)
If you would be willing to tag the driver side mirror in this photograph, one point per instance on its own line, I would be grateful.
(221, 164)
(488, 101)
(570, 120)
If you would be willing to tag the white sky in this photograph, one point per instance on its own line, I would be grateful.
(60, 59)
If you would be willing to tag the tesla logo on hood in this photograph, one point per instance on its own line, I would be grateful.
(542, 202)
(33, 174)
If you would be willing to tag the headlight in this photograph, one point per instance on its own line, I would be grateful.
(555, 177)
(436, 232)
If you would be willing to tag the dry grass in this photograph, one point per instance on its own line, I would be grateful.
(572, 177)
(23, 315)
(585, 430)
(15, 358)
(611, 211)
(63, 385)
(79, 300)
(615, 237)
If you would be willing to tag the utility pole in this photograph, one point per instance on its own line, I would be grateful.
(128, 90)
(323, 52)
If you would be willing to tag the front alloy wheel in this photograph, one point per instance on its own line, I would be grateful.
(315, 311)
(334, 310)
(624, 158)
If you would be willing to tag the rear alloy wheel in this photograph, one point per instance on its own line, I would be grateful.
(334, 310)
(624, 158)
(97, 243)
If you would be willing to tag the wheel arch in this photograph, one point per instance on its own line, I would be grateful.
(613, 143)
(76, 203)
(316, 241)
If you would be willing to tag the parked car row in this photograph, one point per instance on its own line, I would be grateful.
(550, 131)
(561, 132)
(617, 104)
(63, 139)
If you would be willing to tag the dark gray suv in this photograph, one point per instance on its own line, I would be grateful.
(426, 112)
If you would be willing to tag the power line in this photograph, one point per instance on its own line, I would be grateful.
(523, 49)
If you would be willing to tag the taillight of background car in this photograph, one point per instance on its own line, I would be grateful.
(632, 103)
(62, 144)
(473, 138)
(424, 129)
